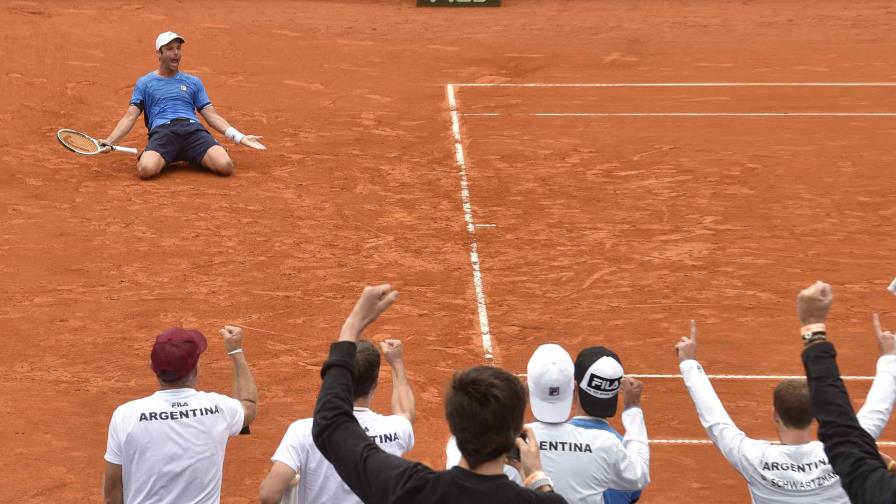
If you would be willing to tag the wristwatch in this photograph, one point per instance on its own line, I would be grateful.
(813, 336)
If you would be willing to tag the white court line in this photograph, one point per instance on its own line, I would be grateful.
(683, 114)
(683, 84)
(708, 442)
(471, 226)
(732, 377)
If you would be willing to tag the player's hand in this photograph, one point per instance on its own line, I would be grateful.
(886, 340)
(105, 146)
(373, 301)
(393, 351)
(252, 141)
(686, 348)
(814, 303)
(232, 337)
(631, 392)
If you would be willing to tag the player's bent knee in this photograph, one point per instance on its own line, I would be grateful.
(149, 165)
(217, 160)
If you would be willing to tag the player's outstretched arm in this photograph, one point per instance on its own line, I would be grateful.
(124, 126)
(220, 124)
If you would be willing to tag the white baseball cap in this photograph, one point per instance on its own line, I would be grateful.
(551, 383)
(166, 37)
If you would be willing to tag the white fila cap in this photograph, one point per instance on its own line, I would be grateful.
(166, 37)
(551, 384)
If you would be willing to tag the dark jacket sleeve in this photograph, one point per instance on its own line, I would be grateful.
(374, 475)
(852, 451)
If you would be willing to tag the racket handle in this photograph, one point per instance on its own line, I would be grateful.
(128, 150)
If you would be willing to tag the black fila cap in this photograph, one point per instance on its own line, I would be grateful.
(598, 375)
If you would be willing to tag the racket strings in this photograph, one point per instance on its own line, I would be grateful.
(78, 142)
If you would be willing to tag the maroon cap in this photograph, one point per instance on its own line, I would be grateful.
(176, 352)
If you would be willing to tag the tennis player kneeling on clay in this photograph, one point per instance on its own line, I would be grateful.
(169, 100)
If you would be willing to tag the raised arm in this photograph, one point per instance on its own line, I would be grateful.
(371, 473)
(214, 119)
(124, 126)
(730, 440)
(402, 396)
(851, 450)
(244, 389)
(632, 458)
(878, 407)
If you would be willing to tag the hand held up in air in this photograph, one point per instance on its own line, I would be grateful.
(631, 392)
(392, 350)
(232, 338)
(886, 340)
(814, 303)
(686, 348)
(373, 301)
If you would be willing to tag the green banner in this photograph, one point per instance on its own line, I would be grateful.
(458, 3)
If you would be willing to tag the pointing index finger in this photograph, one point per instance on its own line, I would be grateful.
(875, 319)
(694, 330)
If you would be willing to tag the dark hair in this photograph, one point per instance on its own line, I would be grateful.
(165, 377)
(367, 360)
(791, 398)
(484, 407)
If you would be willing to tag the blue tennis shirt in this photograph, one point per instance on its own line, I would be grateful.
(165, 98)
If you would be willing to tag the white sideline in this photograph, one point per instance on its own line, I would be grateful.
(681, 84)
(731, 377)
(683, 114)
(471, 226)
(708, 442)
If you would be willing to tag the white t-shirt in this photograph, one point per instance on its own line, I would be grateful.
(786, 474)
(583, 463)
(319, 481)
(171, 444)
(453, 455)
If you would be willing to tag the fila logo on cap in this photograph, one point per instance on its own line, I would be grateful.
(553, 391)
(599, 386)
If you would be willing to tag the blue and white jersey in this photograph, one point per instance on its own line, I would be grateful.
(585, 463)
(611, 496)
(163, 99)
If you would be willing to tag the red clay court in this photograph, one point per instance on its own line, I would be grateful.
(581, 172)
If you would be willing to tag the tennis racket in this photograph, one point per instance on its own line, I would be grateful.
(86, 145)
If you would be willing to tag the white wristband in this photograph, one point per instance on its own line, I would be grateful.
(234, 134)
(238, 350)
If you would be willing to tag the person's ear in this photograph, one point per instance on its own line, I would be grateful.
(775, 417)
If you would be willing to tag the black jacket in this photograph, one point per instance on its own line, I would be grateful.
(852, 451)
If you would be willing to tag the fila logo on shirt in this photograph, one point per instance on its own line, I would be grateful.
(598, 386)
(183, 88)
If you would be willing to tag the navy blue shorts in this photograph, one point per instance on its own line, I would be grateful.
(181, 140)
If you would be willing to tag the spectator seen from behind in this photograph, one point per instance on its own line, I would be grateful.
(297, 454)
(584, 462)
(484, 407)
(169, 447)
(796, 470)
(853, 453)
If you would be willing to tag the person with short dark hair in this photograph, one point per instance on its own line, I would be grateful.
(866, 475)
(169, 447)
(796, 470)
(484, 407)
(298, 457)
